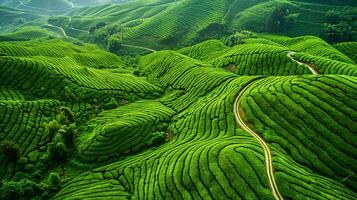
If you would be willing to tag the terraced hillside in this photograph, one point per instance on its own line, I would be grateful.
(48, 88)
(270, 118)
(207, 155)
(164, 23)
(228, 114)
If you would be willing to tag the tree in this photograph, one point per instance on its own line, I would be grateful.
(213, 31)
(340, 26)
(54, 181)
(280, 20)
(10, 150)
(157, 138)
(341, 32)
(97, 26)
(237, 38)
(24, 189)
(114, 43)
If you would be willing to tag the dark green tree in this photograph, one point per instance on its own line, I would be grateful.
(10, 150)
(340, 26)
(280, 20)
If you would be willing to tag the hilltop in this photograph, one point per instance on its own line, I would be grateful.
(169, 24)
(158, 24)
(178, 99)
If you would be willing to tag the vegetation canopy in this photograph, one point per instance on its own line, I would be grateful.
(178, 99)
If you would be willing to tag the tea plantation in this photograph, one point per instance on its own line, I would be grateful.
(136, 100)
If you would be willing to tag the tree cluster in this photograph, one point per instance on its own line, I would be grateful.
(281, 20)
(237, 38)
(340, 26)
(107, 35)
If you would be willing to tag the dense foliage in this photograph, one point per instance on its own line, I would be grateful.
(189, 99)
(340, 26)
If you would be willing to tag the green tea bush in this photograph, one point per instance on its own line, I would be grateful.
(293, 111)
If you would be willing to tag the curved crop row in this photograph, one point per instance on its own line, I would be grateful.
(125, 130)
(7, 94)
(187, 79)
(327, 66)
(349, 49)
(311, 45)
(207, 159)
(50, 78)
(312, 118)
(85, 55)
(270, 55)
(22, 122)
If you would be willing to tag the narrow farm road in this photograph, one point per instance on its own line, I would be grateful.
(60, 28)
(267, 152)
(139, 47)
(125, 45)
(290, 56)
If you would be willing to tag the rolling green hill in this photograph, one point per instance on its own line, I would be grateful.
(210, 157)
(51, 5)
(178, 99)
(166, 23)
(80, 124)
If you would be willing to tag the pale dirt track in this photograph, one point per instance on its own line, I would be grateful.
(290, 56)
(267, 152)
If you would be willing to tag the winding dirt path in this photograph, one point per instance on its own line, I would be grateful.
(290, 56)
(60, 28)
(139, 47)
(267, 152)
(125, 45)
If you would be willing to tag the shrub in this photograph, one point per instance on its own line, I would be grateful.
(69, 134)
(10, 150)
(53, 181)
(137, 73)
(57, 150)
(113, 103)
(52, 127)
(157, 138)
(237, 38)
(68, 113)
(114, 43)
(23, 189)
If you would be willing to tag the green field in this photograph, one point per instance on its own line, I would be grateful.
(178, 99)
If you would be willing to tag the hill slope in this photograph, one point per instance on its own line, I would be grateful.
(82, 125)
(166, 23)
